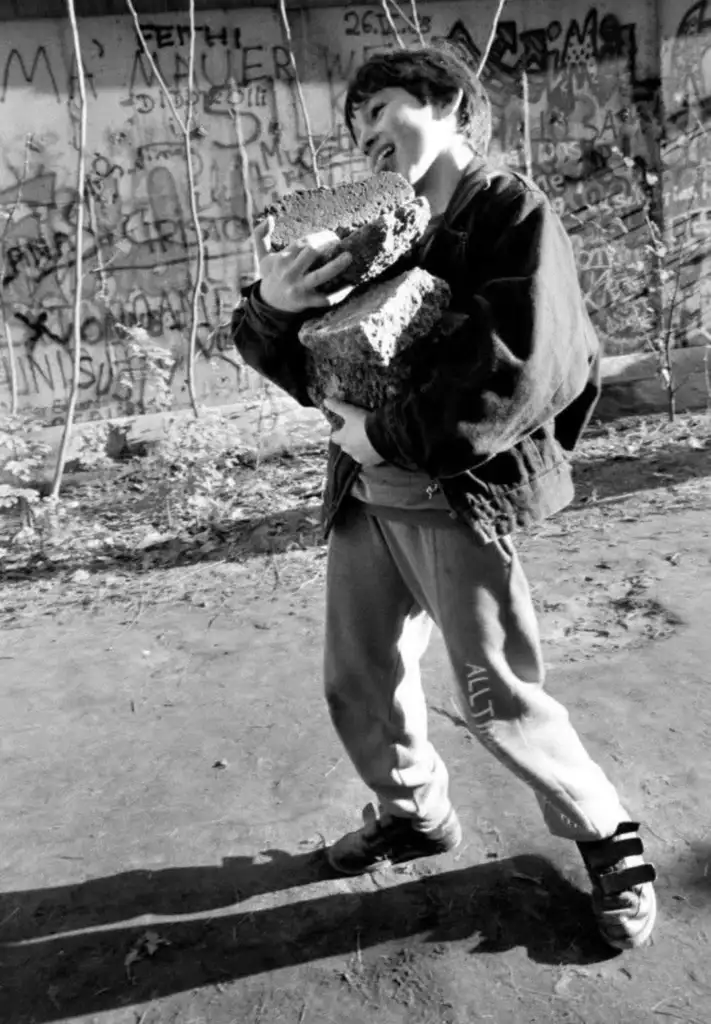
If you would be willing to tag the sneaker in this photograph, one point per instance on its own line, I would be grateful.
(394, 841)
(623, 896)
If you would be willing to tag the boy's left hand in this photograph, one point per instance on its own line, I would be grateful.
(352, 437)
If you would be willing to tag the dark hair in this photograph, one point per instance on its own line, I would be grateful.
(432, 74)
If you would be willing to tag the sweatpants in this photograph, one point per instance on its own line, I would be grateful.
(387, 583)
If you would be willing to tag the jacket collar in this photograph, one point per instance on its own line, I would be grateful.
(475, 177)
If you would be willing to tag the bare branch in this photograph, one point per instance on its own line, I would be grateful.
(244, 170)
(416, 20)
(186, 129)
(391, 23)
(154, 67)
(100, 269)
(192, 199)
(525, 99)
(492, 36)
(410, 24)
(11, 364)
(81, 184)
(300, 91)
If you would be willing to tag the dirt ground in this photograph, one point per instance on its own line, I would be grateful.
(170, 777)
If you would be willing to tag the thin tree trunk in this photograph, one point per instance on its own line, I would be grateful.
(300, 91)
(244, 171)
(416, 20)
(408, 21)
(101, 274)
(185, 129)
(194, 213)
(492, 37)
(391, 23)
(527, 148)
(11, 364)
(81, 185)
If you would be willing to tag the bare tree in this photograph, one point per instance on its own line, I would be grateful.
(187, 130)
(80, 188)
(299, 91)
(492, 36)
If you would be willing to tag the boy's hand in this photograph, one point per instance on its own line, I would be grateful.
(286, 282)
(352, 436)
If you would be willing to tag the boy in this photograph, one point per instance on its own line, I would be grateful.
(423, 493)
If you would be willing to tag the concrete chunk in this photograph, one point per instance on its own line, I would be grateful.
(358, 350)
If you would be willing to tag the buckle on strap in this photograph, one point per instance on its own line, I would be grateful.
(616, 882)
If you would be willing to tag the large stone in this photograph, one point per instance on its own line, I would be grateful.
(340, 209)
(361, 351)
(377, 220)
(358, 351)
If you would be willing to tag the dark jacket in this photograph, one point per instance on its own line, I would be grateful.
(500, 401)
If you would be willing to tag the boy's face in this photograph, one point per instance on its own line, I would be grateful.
(398, 133)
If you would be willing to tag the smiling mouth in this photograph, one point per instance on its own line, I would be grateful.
(385, 153)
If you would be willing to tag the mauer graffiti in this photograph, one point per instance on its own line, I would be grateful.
(591, 116)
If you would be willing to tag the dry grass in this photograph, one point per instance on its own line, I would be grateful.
(117, 538)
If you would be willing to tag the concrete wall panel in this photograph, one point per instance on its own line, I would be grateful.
(593, 84)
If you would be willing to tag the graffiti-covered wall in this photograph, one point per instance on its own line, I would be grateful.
(686, 156)
(600, 127)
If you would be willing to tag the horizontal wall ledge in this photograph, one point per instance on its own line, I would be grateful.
(631, 385)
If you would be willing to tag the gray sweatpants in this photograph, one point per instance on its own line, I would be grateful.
(387, 582)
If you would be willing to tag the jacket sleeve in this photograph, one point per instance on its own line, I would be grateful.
(523, 354)
(268, 341)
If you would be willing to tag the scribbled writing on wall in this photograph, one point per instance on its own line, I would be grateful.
(140, 241)
(687, 171)
(589, 142)
(593, 128)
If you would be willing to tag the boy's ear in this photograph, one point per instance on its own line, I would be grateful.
(449, 107)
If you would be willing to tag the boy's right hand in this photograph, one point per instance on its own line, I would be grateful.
(287, 283)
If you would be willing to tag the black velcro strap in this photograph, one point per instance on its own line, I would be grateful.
(618, 881)
(627, 826)
(616, 851)
(604, 855)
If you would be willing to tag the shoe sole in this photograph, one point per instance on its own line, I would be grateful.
(405, 858)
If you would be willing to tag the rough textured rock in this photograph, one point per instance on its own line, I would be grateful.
(377, 221)
(358, 351)
(340, 209)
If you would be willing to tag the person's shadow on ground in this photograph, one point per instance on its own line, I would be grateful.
(78, 949)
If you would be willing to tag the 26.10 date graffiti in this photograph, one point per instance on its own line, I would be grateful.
(372, 22)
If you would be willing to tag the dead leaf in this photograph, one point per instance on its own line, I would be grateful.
(146, 945)
(698, 446)
(131, 957)
(80, 576)
(152, 539)
(153, 942)
(113, 581)
(52, 993)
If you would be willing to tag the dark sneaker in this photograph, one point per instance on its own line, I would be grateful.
(623, 896)
(393, 841)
